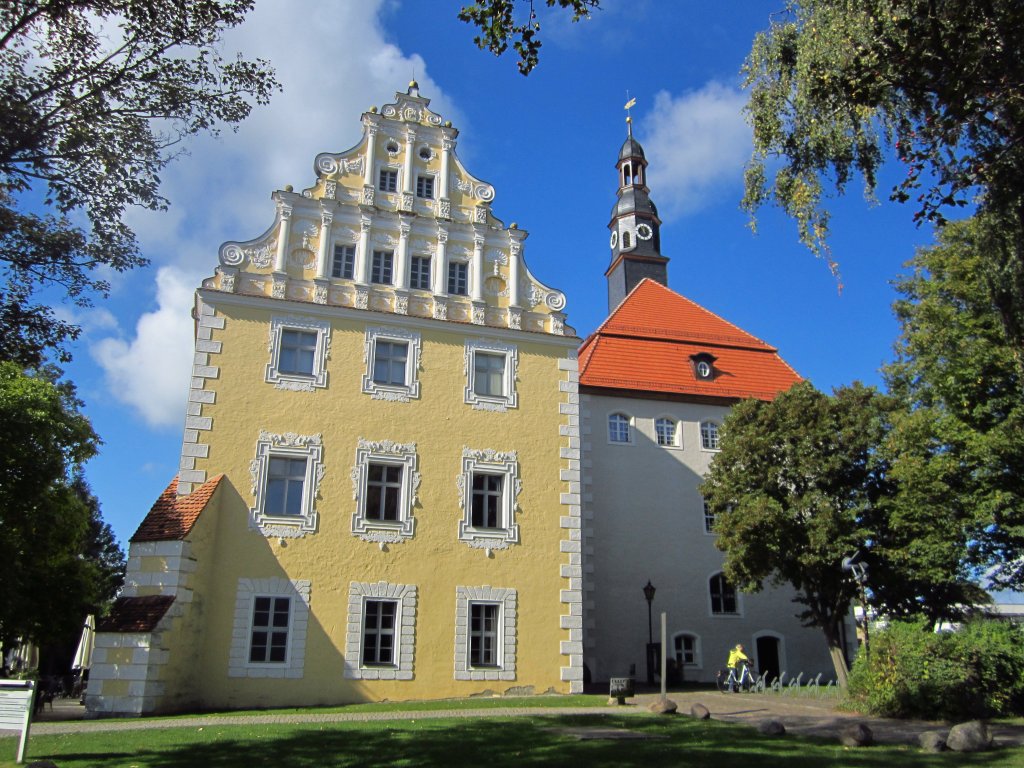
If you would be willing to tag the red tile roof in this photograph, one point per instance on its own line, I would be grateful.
(135, 614)
(646, 346)
(173, 516)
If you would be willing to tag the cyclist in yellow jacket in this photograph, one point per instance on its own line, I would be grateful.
(736, 658)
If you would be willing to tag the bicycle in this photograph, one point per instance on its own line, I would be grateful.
(727, 679)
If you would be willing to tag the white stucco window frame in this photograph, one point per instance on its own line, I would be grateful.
(630, 426)
(698, 649)
(496, 403)
(405, 595)
(397, 393)
(293, 446)
(718, 435)
(298, 622)
(292, 381)
(505, 599)
(389, 165)
(677, 442)
(396, 454)
(489, 461)
(725, 616)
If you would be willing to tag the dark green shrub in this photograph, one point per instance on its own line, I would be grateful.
(976, 671)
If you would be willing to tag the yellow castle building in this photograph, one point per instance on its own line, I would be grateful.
(379, 489)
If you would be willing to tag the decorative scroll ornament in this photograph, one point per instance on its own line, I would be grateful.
(367, 198)
(480, 214)
(227, 282)
(555, 301)
(259, 255)
(331, 190)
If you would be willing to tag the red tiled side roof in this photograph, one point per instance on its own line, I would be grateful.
(135, 614)
(647, 343)
(173, 516)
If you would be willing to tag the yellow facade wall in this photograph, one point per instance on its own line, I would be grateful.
(435, 560)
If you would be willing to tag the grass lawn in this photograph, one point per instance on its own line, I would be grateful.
(454, 742)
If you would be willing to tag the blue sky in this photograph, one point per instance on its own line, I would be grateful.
(547, 143)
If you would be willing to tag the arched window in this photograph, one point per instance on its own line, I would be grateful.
(627, 175)
(686, 648)
(627, 240)
(723, 596)
(709, 436)
(618, 428)
(667, 431)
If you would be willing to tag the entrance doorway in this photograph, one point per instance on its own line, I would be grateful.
(768, 657)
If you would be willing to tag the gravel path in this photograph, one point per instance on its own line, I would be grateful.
(805, 716)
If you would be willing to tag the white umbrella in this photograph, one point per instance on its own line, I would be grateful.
(83, 655)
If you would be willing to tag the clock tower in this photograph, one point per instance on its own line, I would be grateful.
(635, 227)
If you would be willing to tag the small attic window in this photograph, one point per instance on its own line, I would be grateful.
(703, 366)
(392, 147)
(425, 153)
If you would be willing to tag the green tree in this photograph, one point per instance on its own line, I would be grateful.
(795, 489)
(96, 97)
(961, 443)
(48, 582)
(837, 86)
(496, 20)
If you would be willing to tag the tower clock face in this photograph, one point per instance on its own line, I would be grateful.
(644, 231)
(614, 239)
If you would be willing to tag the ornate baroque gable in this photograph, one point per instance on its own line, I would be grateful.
(396, 224)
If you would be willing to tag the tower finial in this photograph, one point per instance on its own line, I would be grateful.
(629, 118)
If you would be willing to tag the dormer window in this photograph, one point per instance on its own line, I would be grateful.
(703, 366)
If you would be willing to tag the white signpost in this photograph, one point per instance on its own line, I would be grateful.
(16, 697)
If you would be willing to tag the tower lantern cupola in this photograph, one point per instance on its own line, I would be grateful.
(635, 227)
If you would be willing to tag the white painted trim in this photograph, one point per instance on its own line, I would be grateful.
(677, 443)
(718, 435)
(298, 382)
(397, 454)
(289, 445)
(496, 403)
(405, 595)
(403, 393)
(493, 462)
(338, 311)
(298, 623)
(505, 598)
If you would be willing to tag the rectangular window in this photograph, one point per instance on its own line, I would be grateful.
(686, 649)
(388, 180)
(381, 270)
(723, 596)
(425, 187)
(379, 632)
(286, 478)
(344, 262)
(298, 352)
(457, 278)
(389, 360)
(709, 518)
(383, 491)
(269, 639)
(483, 635)
(487, 498)
(419, 273)
(489, 374)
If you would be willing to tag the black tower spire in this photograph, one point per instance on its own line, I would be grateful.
(635, 227)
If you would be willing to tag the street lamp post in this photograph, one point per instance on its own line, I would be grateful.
(855, 565)
(649, 591)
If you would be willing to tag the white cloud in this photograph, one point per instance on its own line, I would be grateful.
(151, 371)
(334, 62)
(696, 144)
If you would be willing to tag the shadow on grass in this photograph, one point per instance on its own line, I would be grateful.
(493, 742)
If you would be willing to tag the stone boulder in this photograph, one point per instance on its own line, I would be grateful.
(972, 736)
(700, 712)
(663, 707)
(771, 728)
(932, 741)
(856, 735)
